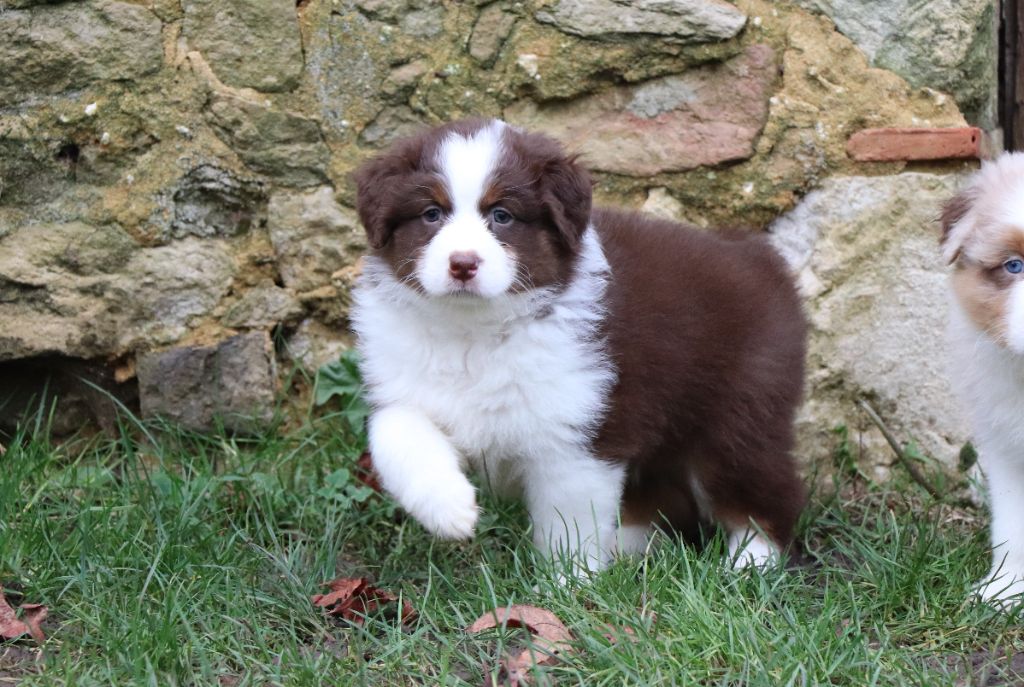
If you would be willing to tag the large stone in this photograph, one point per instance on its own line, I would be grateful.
(948, 45)
(313, 237)
(262, 307)
(402, 80)
(249, 43)
(282, 145)
(390, 125)
(313, 345)
(210, 201)
(232, 384)
(660, 203)
(56, 282)
(866, 252)
(705, 116)
(490, 31)
(427, 22)
(355, 59)
(692, 21)
(51, 49)
(90, 292)
(348, 65)
(168, 287)
(27, 175)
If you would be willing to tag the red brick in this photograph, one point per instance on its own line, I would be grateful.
(961, 143)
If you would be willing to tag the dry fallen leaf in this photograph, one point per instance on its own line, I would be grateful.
(11, 627)
(365, 472)
(615, 634)
(34, 615)
(352, 598)
(551, 640)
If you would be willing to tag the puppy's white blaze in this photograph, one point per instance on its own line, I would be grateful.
(1015, 319)
(467, 164)
(466, 232)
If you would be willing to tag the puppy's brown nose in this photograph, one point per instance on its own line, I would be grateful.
(462, 265)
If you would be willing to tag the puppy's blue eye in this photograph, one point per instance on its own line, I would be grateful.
(501, 216)
(432, 215)
(1015, 266)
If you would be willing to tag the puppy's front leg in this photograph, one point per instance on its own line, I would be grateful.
(1005, 473)
(419, 467)
(573, 499)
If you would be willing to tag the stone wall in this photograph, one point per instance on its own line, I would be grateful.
(175, 199)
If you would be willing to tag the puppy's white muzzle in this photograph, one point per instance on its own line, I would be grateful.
(465, 257)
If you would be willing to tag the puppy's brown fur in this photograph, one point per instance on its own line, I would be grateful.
(708, 334)
(705, 330)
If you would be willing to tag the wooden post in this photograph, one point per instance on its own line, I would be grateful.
(1011, 73)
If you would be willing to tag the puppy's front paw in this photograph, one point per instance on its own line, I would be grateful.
(448, 510)
(1002, 589)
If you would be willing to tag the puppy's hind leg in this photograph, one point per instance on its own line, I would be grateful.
(757, 499)
(419, 467)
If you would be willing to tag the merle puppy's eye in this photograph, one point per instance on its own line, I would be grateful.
(501, 216)
(1014, 266)
(432, 215)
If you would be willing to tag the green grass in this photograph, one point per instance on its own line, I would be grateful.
(173, 559)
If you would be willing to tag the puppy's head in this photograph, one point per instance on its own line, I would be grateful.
(475, 208)
(983, 238)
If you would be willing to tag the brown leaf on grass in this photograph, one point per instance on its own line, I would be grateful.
(34, 615)
(551, 640)
(11, 627)
(365, 472)
(617, 633)
(352, 598)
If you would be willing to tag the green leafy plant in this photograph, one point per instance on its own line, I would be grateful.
(342, 378)
(344, 489)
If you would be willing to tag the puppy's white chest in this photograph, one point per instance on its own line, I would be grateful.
(990, 381)
(509, 381)
(518, 393)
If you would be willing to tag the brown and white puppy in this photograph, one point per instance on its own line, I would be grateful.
(983, 238)
(610, 368)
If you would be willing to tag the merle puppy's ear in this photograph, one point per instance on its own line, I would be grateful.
(565, 190)
(954, 229)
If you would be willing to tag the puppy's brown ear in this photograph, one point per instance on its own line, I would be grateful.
(953, 214)
(374, 180)
(566, 190)
(380, 184)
